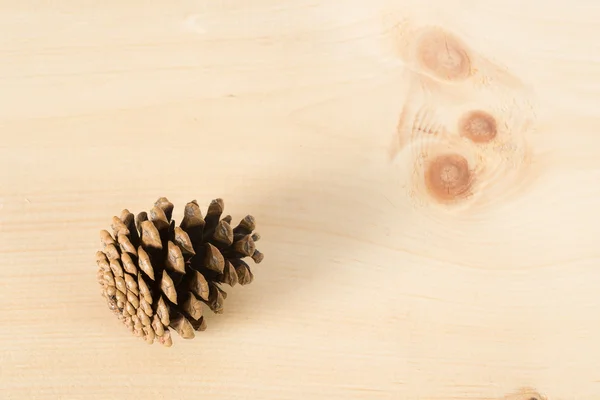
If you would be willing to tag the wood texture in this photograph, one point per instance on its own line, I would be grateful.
(406, 255)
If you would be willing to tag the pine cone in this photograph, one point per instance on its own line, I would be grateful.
(155, 275)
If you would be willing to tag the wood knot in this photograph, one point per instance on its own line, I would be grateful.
(443, 55)
(478, 126)
(448, 177)
(525, 394)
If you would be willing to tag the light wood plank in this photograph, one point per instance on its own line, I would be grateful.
(292, 111)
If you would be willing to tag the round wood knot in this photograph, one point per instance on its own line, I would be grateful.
(478, 126)
(443, 55)
(448, 177)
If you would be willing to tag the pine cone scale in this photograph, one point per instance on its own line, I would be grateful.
(111, 252)
(150, 235)
(164, 204)
(144, 263)
(223, 233)
(192, 217)
(146, 307)
(245, 246)
(168, 287)
(128, 264)
(163, 311)
(111, 291)
(158, 218)
(183, 327)
(157, 326)
(175, 260)
(192, 306)
(144, 289)
(246, 225)
(106, 238)
(182, 240)
(120, 296)
(131, 284)
(199, 285)
(229, 276)
(118, 227)
(213, 259)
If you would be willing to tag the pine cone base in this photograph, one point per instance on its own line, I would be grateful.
(157, 276)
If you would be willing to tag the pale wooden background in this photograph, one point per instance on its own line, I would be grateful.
(289, 111)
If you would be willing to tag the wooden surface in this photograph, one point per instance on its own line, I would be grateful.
(324, 119)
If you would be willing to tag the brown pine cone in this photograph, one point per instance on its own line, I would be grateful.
(155, 275)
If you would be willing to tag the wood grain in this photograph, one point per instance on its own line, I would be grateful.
(382, 278)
